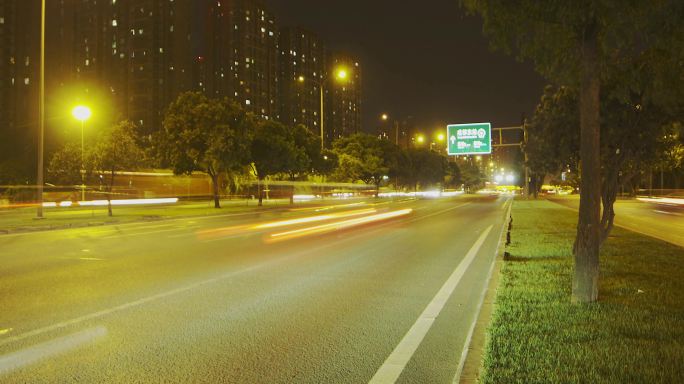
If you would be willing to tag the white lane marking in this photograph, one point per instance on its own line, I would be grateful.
(31, 355)
(469, 337)
(667, 213)
(392, 367)
(149, 232)
(132, 304)
(162, 295)
(90, 259)
(438, 212)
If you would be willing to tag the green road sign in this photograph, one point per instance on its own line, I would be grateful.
(469, 139)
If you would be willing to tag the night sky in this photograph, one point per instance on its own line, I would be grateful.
(425, 59)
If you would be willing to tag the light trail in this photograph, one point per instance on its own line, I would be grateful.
(241, 229)
(324, 228)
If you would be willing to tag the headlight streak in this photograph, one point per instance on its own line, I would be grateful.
(311, 219)
(244, 229)
(323, 228)
(663, 200)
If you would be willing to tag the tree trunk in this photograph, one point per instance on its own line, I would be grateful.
(586, 248)
(292, 192)
(608, 197)
(109, 195)
(260, 190)
(215, 188)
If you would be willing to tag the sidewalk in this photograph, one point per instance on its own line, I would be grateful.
(633, 333)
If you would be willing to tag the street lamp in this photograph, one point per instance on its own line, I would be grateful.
(340, 74)
(41, 112)
(420, 139)
(82, 113)
(384, 117)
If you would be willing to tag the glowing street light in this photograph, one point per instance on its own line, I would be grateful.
(420, 139)
(384, 117)
(441, 137)
(82, 113)
(340, 75)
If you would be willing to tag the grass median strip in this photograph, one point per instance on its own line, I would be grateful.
(634, 334)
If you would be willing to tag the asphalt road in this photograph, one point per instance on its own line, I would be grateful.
(658, 221)
(347, 294)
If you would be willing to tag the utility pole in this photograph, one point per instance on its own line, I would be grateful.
(41, 112)
(526, 186)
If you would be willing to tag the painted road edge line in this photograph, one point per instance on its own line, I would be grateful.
(34, 354)
(627, 227)
(392, 368)
(469, 336)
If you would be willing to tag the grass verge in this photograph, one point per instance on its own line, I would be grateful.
(634, 334)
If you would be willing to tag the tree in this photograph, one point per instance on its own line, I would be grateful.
(273, 151)
(65, 165)
(553, 134)
(306, 153)
(116, 151)
(421, 166)
(205, 135)
(576, 44)
(365, 157)
(452, 177)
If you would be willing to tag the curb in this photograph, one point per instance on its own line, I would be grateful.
(470, 370)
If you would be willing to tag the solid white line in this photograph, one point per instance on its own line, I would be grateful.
(31, 355)
(392, 367)
(438, 212)
(469, 337)
(148, 232)
(133, 304)
(162, 295)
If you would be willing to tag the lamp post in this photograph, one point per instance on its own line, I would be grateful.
(340, 75)
(82, 113)
(41, 112)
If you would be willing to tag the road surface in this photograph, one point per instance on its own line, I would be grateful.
(381, 292)
(649, 219)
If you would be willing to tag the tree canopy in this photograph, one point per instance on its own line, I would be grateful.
(593, 46)
(116, 151)
(205, 135)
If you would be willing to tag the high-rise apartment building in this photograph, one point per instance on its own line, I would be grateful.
(18, 89)
(7, 15)
(302, 72)
(343, 97)
(254, 57)
(129, 59)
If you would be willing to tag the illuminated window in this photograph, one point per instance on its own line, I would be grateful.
(26, 81)
(248, 102)
(114, 24)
